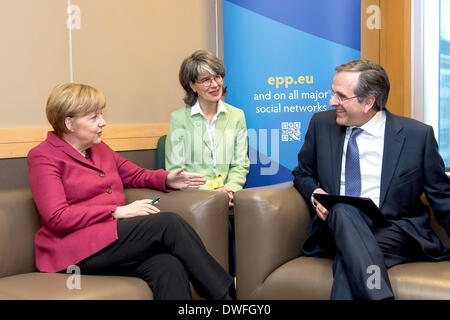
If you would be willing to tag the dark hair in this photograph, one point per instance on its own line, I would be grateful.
(194, 65)
(373, 81)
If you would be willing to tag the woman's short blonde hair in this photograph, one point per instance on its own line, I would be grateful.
(197, 63)
(72, 100)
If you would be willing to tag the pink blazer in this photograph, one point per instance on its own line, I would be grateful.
(76, 196)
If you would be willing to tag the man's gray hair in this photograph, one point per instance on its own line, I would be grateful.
(373, 81)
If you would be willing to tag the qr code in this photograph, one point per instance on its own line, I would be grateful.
(290, 131)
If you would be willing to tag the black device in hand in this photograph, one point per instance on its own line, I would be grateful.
(365, 205)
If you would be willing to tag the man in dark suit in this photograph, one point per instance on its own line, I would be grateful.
(361, 149)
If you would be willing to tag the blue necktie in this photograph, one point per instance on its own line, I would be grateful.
(352, 168)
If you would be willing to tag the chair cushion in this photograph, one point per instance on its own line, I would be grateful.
(311, 278)
(302, 278)
(53, 286)
(421, 280)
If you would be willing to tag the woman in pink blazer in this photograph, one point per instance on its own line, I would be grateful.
(77, 183)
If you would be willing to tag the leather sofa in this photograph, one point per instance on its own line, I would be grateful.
(206, 211)
(271, 224)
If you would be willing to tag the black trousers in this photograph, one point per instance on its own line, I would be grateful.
(362, 254)
(167, 253)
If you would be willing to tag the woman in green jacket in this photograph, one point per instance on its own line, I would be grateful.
(207, 135)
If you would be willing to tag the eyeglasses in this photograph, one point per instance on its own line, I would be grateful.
(207, 82)
(340, 99)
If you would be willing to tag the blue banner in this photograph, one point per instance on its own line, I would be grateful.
(280, 57)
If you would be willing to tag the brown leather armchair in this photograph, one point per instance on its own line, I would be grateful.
(271, 225)
(206, 211)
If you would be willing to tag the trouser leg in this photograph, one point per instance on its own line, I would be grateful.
(340, 289)
(360, 256)
(143, 237)
(208, 277)
(396, 246)
(166, 275)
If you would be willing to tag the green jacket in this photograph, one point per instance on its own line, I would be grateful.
(188, 144)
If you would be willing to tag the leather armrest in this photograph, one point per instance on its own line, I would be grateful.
(271, 225)
(19, 221)
(205, 211)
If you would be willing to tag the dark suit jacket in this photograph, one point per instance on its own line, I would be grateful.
(411, 166)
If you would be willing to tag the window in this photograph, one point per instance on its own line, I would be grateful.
(444, 81)
(436, 71)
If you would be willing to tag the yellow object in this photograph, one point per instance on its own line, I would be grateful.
(216, 182)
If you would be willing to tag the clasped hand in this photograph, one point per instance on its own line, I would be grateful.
(230, 195)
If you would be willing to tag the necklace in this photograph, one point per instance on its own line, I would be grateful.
(85, 153)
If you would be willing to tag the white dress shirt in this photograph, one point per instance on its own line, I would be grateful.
(210, 127)
(370, 145)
